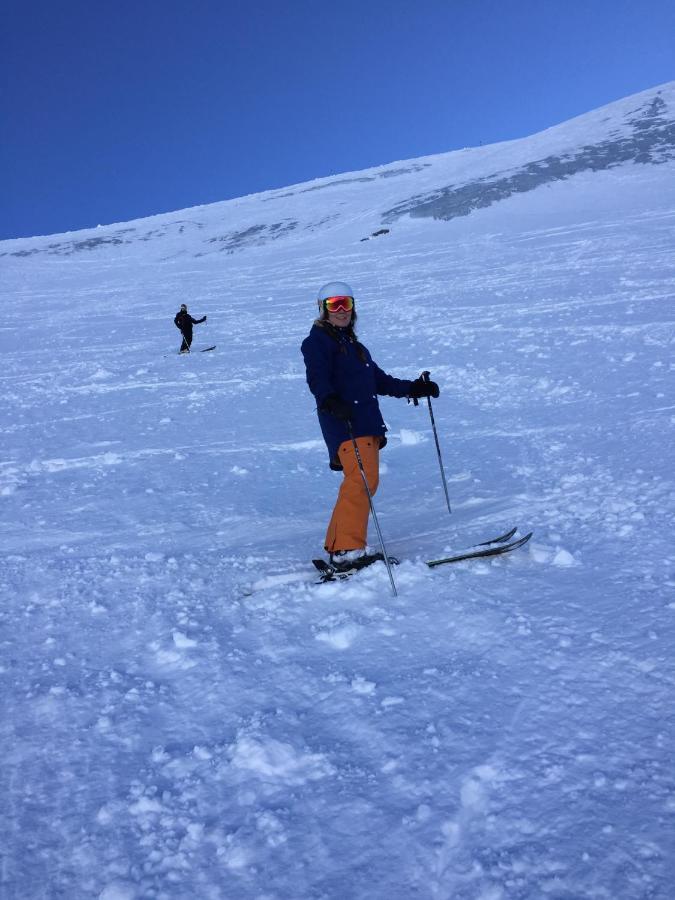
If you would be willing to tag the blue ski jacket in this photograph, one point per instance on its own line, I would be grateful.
(337, 363)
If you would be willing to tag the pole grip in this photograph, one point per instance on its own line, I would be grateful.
(425, 377)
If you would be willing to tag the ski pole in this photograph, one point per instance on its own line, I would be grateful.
(425, 377)
(372, 507)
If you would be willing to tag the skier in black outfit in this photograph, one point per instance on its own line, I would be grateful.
(184, 322)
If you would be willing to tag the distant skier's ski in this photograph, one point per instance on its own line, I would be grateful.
(329, 572)
(498, 548)
(187, 352)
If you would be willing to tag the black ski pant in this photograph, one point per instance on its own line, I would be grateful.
(187, 340)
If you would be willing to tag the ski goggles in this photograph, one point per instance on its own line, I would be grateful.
(339, 304)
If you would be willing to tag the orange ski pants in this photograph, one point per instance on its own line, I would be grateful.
(348, 526)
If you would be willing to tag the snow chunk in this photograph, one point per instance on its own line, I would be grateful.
(274, 759)
(564, 559)
(195, 831)
(361, 686)
(145, 806)
(100, 374)
(392, 701)
(235, 856)
(408, 437)
(104, 816)
(473, 796)
(182, 641)
(201, 752)
(340, 638)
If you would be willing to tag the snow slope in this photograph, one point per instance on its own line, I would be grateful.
(185, 714)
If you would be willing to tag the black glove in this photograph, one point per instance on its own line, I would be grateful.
(336, 406)
(421, 388)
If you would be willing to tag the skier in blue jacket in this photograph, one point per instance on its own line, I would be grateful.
(346, 382)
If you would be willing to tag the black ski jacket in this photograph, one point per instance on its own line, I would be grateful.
(184, 322)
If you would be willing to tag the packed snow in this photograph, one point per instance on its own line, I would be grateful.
(185, 712)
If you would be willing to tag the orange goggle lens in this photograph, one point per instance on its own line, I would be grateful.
(339, 304)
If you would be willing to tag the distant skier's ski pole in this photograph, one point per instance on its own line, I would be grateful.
(425, 377)
(372, 507)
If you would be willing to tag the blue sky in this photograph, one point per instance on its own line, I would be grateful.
(112, 111)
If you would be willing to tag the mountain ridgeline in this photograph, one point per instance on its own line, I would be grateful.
(639, 130)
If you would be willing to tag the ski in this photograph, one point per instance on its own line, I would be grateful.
(499, 540)
(328, 572)
(494, 547)
(498, 549)
(187, 352)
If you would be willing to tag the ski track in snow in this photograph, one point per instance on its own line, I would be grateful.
(187, 714)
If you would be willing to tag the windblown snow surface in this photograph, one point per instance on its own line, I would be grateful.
(185, 713)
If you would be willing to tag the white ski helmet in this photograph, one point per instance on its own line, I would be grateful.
(333, 289)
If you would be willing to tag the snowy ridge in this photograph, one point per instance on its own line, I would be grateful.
(185, 713)
(639, 129)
